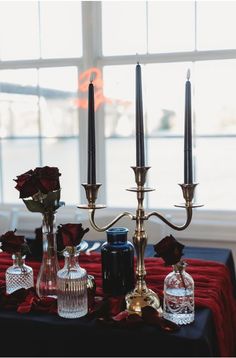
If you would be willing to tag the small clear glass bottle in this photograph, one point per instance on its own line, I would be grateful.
(19, 275)
(179, 295)
(72, 300)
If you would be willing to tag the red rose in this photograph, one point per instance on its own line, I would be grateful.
(71, 234)
(169, 249)
(13, 300)
(47, 179)
(44, 180)
(12, 243)
(26, 184)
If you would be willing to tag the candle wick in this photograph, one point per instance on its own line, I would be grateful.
(91, 78)
(188, 74)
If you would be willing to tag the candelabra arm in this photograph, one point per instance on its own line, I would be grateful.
(101, 229)
(173, 226)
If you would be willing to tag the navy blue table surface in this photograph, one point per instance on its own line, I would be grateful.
(45, 335)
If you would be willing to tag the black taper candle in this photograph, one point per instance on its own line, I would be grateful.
(140, 154)
(188, 165)
(91, 179)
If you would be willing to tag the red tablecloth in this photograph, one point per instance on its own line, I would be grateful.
(213, 289)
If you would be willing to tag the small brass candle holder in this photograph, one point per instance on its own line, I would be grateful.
(141, 296)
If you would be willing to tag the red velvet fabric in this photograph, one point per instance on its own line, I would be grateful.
(213, 289)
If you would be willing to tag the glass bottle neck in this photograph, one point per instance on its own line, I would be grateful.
(49, 233)
(71, 261)
(49, 223)
(179, 267)
(117, 235)
(18, 260)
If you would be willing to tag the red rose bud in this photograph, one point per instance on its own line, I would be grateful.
(47, 179)
(169, 249)
(12, 243)
(26, 184)
(71, 234)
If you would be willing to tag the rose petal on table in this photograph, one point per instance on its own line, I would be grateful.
(123, 315)
(134, 317)
(169, 326)
(116, 305)
(153, 317)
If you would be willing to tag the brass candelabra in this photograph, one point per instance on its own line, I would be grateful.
(141, 296)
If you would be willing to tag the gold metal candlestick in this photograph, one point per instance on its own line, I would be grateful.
(141, 296)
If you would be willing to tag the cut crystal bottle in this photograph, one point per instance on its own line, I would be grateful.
(179, 296)
(72, 300)
(19, 275)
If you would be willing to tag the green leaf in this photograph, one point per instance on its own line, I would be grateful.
(50, 203)
(52, 198)
(34, 206)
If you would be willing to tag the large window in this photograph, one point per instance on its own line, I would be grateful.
(39, 117)
(48, 49)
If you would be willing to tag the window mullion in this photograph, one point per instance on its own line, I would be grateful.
(92, 49)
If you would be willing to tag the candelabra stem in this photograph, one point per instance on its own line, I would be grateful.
(140, 242)
(141, 296)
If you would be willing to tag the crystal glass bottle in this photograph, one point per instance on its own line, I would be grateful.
(72, 300)
(46, 284)
(19, 275)
(117, 262)
(179, 295)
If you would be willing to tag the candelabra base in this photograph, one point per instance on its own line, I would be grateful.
(136, 300)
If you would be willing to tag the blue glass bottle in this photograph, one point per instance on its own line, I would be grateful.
(117, 262)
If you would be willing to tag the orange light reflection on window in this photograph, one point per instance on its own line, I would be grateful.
(85, 77)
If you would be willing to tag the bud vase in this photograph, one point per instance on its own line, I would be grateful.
(179, 295)
(72, 300)
(19, 275)
(46, 284)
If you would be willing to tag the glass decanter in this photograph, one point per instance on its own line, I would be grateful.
(179, 295)
(72, 300)
(19, 275)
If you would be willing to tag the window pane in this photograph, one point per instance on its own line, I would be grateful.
(166, 158)
(123, 27)
(165, 98)
(19, 103)
(170, 26)
(165, 103)
(119, 107)
(119, 129)
(216, 25)
(18, 156)
(58, 101)
(19, 30)
(119, 174)
(215, 90)
(55, 153)
(61, 29)
(216, 172)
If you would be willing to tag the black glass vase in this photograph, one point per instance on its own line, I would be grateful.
(117, 262)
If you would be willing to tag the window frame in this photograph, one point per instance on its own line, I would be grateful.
(92, 57)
